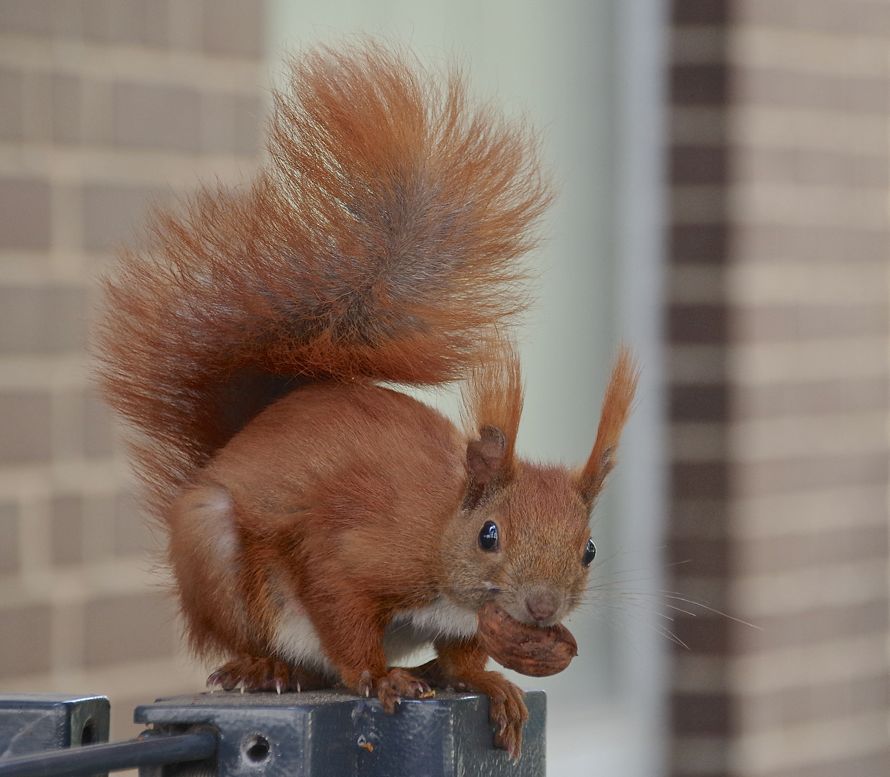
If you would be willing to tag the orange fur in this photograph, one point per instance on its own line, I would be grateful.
(314, 517)
(381, 241)
(492, 397)
(615, 410)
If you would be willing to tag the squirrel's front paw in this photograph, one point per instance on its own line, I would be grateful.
(395, 685)
(506, 709)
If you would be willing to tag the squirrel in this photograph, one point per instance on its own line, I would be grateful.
(321, 523)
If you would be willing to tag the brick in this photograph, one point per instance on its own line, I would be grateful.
(817, 91)
(98, 428)
(819, 550)
(699, 164)
(112, 213)
(817, 624)
(231, 123)
(699, 124)
(129, 627)
(25, 647)
(42, 319)
(81, 110)
(869, 764)
(700, 12)
(67, 529)
(250, 115)
(151, 116)
(812, 398)
(857, 248)
(790, 707)
(701, 557)
(24, 213)
(142, 22)
(703, 634)
(700, 243)
(801, 322)
(810, 167)
(26, 423)
(186, 28)
(776, 139)
(787, 476)
(217, 122)
(685, 765)
(67, 19)
(12, 100)
(28, 17)
(98, 527)
(701, 713)
(67, 423)
(234, 28)
(700, 83)
(9, 538)
(697, 324)
(705, 518)
(156, 23)
(699, 402)
(37, 107)
(67, 99)
(132, 533)
(850, 17)
(700, 479)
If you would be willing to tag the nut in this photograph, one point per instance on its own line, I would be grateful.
(529, 650)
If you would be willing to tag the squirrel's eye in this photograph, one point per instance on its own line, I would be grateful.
(589, 553)
(488, 537)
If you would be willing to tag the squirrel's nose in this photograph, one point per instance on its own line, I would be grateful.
(542, 605)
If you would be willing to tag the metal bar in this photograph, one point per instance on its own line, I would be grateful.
(88, 760)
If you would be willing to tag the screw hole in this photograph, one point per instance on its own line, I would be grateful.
(256, 749)
(88, 733)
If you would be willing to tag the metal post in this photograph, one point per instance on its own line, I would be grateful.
(325, 734)
(335, 734)
(34, 722)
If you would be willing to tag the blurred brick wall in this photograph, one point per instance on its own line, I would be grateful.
(105, 106)
(778, 326)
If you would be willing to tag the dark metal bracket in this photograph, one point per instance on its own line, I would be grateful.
(329, 733)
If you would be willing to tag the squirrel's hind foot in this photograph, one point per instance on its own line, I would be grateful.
(251, 675)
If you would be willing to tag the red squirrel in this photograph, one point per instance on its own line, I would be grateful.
(321, 525)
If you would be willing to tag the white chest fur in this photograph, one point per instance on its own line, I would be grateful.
(414, 629)
(409, 631)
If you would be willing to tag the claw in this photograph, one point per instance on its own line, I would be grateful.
(248, 674)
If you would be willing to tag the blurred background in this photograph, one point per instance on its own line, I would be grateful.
(724, 207)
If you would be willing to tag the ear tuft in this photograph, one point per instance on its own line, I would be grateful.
(492, 406)
(616, 409)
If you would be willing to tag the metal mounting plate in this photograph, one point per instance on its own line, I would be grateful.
(34, 722)
(336, 734)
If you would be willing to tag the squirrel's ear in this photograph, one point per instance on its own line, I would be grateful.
(491, 408)
(487, 464)
(616, 408)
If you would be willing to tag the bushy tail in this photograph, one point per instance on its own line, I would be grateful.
(380, 241)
